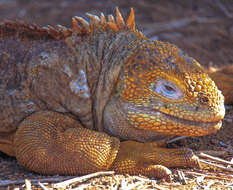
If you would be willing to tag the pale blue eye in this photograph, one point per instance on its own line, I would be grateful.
(167, 89)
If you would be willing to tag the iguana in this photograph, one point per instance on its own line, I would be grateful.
(100, 96)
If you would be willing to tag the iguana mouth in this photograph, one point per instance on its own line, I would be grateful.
(154, 112)
(173, 125)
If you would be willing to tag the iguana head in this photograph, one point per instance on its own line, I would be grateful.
(158, 87)
(164, 90)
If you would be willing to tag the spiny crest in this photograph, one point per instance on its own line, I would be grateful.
(31, 32)
(80, 27)
(116, 24)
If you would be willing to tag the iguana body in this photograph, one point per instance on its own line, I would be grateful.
(100, 96)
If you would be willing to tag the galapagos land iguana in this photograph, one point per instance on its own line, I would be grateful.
(100, 96)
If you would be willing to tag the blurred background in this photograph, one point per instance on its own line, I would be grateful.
(202, 28)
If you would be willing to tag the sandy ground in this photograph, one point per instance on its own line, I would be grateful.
(202, 28)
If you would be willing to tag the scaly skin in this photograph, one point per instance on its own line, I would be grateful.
(100, 97)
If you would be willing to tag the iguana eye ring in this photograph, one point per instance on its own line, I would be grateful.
(167, 89)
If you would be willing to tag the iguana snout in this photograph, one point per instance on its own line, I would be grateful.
(165, 90)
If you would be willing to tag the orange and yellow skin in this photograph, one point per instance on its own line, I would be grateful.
(200, 104)
(159, 91)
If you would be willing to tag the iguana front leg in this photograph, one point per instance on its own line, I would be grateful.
(150, 160)
(53, 143)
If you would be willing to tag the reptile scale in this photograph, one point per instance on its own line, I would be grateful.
(100, 96)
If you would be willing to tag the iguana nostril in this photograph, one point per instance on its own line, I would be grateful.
(204, 99)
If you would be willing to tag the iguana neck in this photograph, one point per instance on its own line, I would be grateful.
(102, 56)
(78, 74)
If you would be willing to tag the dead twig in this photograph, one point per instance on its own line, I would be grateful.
(181, 177)
(4, 183)
(217, 153)
(148, 180)
(66, 183)
(230, 185)
(42, 186)
(144, 179)
(224, 177)
(28, 184)
(219, 160)
(132, 186)
(200, 179)
(81, 187)
(210, 165)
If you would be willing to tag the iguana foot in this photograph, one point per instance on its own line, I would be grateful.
(53, 143)
(149, 160)
(224, 80)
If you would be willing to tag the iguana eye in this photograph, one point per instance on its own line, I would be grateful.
(167, 89)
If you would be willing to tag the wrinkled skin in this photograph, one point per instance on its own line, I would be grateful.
(100, 97)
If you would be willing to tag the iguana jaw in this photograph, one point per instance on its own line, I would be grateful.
(152, 119)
